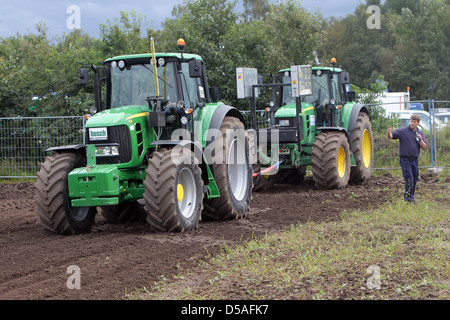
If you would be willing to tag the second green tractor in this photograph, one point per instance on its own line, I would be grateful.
(315, 123)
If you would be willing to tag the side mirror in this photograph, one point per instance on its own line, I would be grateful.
(215, 94)
(195, 69)
(83, 77)
(351, 96)
(345, 78)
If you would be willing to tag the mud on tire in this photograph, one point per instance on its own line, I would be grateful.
(52, 196)
(233, 173)
(173, 191)
(362, 149)
(331, 160)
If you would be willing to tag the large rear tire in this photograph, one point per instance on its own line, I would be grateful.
(52, 196)
(362, 149)
(173, 191)
(331, 160)
(232, 172)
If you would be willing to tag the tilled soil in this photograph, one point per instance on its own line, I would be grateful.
(116, 259)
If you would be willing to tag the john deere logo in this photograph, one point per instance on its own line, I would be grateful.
(98, 134)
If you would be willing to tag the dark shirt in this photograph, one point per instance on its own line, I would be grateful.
(409, 143)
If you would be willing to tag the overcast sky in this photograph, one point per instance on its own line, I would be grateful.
(21, 16)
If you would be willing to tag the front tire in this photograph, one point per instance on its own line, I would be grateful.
(52, 196)
(331, 160)
(173, 191)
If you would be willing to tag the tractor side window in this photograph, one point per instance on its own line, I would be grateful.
(287, 91)
(337, 89)
(190, 86)
(320, 96)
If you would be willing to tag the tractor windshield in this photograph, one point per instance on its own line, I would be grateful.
(133, 84)
(320, 94)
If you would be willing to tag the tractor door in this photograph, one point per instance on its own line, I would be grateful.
(193, 87)
(321, 98)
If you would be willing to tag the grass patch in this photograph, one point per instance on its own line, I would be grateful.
(406, 247)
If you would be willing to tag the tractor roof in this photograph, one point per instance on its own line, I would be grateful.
(186, 56)
(319, 68)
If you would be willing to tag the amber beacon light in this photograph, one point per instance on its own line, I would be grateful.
(181, 44)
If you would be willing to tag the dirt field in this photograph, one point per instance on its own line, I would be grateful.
(115, 259)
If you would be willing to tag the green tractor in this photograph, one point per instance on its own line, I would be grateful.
(316, 122)
(157, 149)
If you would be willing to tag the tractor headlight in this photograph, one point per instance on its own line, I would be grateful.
(283, 123)
(107, 151)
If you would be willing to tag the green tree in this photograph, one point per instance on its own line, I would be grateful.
(128, 34)
(204, 25)
(256, 9)
(23, 61)
(39, 77)
(422, 49)
(292, 35)
(396, 6)
(370, 96)
(365, 53)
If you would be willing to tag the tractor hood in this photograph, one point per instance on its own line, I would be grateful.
(289, 110)
(117, 116)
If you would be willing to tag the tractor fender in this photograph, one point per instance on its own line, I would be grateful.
(219, 114)
(347, 133)
(340, 129)
(357, 108)
(80, 148)
(194, 146)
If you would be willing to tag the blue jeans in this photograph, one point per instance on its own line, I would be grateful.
(410, 169)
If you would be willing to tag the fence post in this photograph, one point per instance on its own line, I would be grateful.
(84, 130)
(430, 109)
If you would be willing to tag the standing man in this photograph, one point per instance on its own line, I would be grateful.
(411, 141)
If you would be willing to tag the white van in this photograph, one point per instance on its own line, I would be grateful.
(405, 119)
(444, 117)
(424, 117)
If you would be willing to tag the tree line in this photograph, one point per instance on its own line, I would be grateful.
(39, 76)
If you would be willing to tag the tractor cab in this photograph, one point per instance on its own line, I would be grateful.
(172, 87)
(331, 90)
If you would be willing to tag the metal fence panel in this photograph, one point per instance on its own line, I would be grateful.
(441, 141)
(385, 150)
(23, 141)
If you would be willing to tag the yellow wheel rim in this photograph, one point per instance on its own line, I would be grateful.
(180, 192)
(341, 162)
(366, 148)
